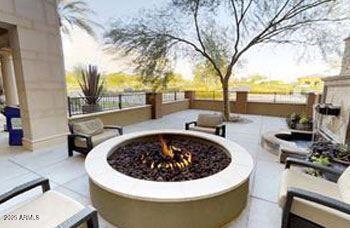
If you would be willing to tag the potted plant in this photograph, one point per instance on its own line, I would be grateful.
(91, 84)
(304, 124)
(292, 120)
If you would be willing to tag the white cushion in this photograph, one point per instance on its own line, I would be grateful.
(314, 212)
(203, 129)
(96, 139)
(344, 185)
(52, 208)
(88, 127)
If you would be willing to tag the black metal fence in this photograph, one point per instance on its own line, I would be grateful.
(214, 95)
(79, 105)
(289, 98)
(170, 96)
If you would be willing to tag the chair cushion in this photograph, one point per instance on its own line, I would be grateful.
(209, 120)
(88, 127)
(96, 139)
(209, 130)
(52, 208)
(314, 212)
(344, 185)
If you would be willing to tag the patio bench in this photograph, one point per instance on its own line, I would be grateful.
(51, 209)
(310, 201)
(87, 134)
(208, 123)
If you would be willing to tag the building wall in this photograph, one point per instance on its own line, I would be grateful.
(38, 59)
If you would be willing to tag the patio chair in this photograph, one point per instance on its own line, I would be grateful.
(309, 201)
(208, 123)
(87, 134)
(51, 209)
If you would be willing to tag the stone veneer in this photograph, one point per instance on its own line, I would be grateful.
(35, 41)
(345, 70)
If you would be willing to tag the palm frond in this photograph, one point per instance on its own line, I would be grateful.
(76, 13)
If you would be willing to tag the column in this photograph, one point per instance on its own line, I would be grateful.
(8, 78)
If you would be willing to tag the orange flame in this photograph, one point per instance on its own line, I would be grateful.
(166, 150)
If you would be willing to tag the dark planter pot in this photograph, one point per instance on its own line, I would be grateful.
(91, 108)
(333, 111)
(328, 109)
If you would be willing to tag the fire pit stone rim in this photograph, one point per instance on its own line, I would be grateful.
(102, 174)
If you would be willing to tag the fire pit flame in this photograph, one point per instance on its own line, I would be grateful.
(173, 157)
(167, 151)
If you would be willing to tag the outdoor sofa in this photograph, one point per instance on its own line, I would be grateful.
(310, 201)
(208, 123)
(50, 209)
(87, 134)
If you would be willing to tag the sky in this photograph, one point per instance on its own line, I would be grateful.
(276, 63)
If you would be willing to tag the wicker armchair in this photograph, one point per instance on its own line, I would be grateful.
(51, 209)
(87, 134)
(309, 201)
(208, 123)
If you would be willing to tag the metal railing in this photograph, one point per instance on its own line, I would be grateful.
(79, 105)
(173, 96)
(288, 98)
(214, 95)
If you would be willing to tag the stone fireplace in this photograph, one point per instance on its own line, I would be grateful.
(337, 92)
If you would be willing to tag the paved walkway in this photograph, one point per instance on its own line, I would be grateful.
(68, 176)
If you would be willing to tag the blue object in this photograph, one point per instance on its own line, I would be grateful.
(14, 125)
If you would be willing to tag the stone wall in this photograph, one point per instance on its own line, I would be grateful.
(36, 46)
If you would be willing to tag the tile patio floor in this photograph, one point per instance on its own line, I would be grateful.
(68, 176)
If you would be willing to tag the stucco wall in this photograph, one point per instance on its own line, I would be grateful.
(176, 106)
(38, 60)
(210, 105)
(275, 109)
(120, 117)
(257, 108)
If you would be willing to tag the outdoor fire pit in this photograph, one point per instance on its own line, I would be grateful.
(169, 179)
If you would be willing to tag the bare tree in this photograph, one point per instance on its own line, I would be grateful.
(220, 31)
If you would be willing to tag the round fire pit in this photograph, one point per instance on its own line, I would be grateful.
(169, 178)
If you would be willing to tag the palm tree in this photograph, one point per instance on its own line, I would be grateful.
(76, 13)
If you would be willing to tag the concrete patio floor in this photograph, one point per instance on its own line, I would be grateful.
(68, 175)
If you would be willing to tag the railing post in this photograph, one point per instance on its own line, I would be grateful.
(69, 107)
(120, 101)
(155, 100)
(241, 102)
(214, 95)
(274, 97)
(312, 99)
(175, 96)
(191, 96)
